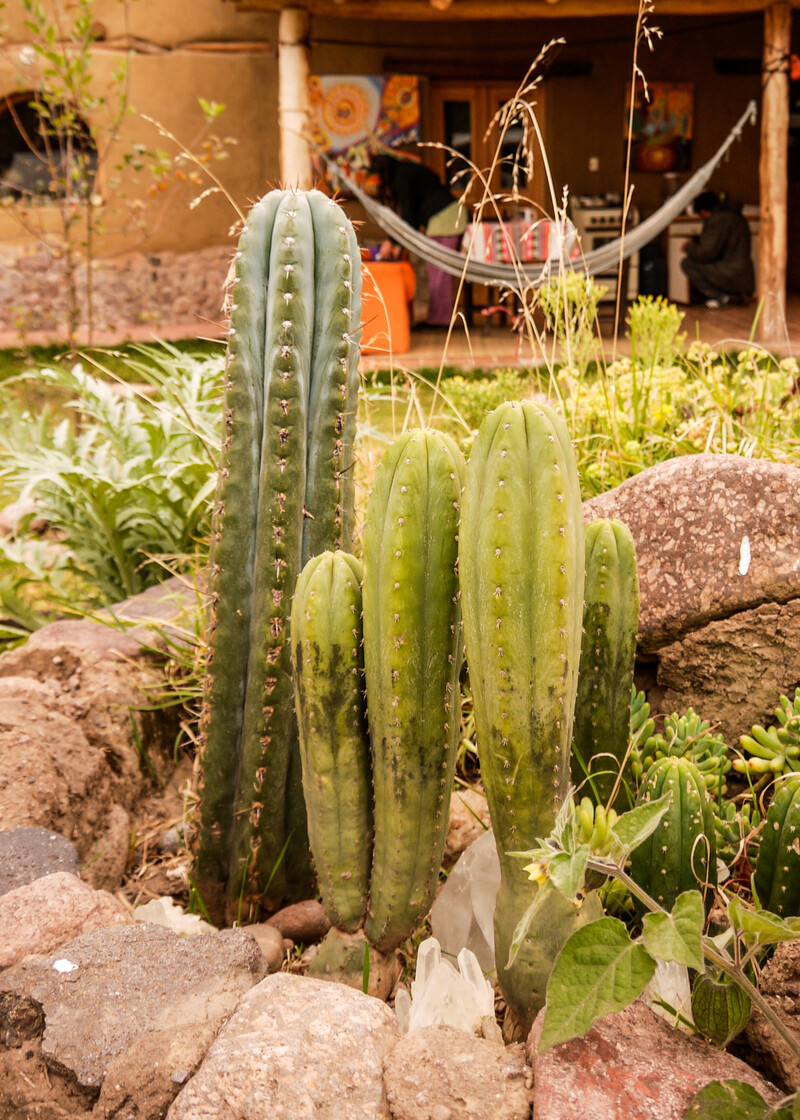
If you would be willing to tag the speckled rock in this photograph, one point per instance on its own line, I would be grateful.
(296, 1049)
(469, 819)
(733, 671)
(52, 911)
(780, 983)
(630, 1066)
(31, 853)
(127, 1013)
(689, 518)
(440, 1073)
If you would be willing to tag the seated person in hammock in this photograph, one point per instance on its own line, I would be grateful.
(422, 200)
(718, 263)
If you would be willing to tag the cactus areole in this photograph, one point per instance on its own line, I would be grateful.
(285, 493)
(521, 562)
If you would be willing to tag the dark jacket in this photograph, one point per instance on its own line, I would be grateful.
(416, 192)
(723, 250)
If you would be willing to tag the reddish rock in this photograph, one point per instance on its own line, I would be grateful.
(51, 911)
(630, 1066)
(780, 984)
(302, 921)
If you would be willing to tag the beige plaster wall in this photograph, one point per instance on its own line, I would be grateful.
(165, 84)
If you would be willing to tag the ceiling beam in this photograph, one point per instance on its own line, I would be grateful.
(426, 10)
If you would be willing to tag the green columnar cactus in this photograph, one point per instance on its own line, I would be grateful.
(605, 681)
(412, 658)
(328, 670)
(777, 879)
(289, 427)
(521, 562)
(681, 854)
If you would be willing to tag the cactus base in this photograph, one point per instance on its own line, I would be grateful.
(341, 958)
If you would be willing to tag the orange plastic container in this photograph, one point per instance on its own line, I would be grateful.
(388, 289)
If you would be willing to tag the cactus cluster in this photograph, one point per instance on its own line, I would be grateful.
(285, 492)
(687, 736)
(378, 800)
(774, 750)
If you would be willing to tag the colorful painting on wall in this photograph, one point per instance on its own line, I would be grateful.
(662, 126)
(354, 116)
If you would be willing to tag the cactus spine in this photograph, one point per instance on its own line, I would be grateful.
(412, 658)
(608, 651)
(777, 879)
(289, 428)
(681, 854)
(522, 564)
(327, 665)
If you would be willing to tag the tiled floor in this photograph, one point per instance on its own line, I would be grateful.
(729, 328)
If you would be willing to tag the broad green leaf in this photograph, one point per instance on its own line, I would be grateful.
(633, 827)
(567, 871)
(733, 1100)
(598, 971)
(767, 927)
(677, 936)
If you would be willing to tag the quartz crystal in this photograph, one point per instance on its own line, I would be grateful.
(443, 995)
(463, 914)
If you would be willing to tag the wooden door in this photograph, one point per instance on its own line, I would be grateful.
(462, 116)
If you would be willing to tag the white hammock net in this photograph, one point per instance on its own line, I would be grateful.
(518, 277)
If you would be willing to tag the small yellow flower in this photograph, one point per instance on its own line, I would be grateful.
(537, 873)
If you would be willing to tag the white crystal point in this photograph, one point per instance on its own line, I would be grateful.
(670, 983)
(402, 1009)
(463, 914)
(472, 974)
(441, 995)
(446, 1001)
(429, 957)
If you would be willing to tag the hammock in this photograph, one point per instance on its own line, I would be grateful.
(516, 276)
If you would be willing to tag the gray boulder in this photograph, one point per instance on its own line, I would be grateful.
(126, 1014)
(296, 1049)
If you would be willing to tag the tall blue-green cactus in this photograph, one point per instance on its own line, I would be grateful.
(777, 879)
(284, 492)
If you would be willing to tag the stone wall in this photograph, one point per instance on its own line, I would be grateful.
(141, 290)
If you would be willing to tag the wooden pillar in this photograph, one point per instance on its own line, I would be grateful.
(293, 70)
(773, 171)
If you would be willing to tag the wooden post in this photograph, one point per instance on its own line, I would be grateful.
(773, 171)
(293, 70)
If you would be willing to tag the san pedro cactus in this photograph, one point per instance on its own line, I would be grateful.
(327, 664)
(681, 854)
(777, 879)
(605, 681)
(412, 658)
(289, 419)
(521, 563)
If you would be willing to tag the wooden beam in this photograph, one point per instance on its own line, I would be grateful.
(773, 171)
(293, 71)
(424, 10)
